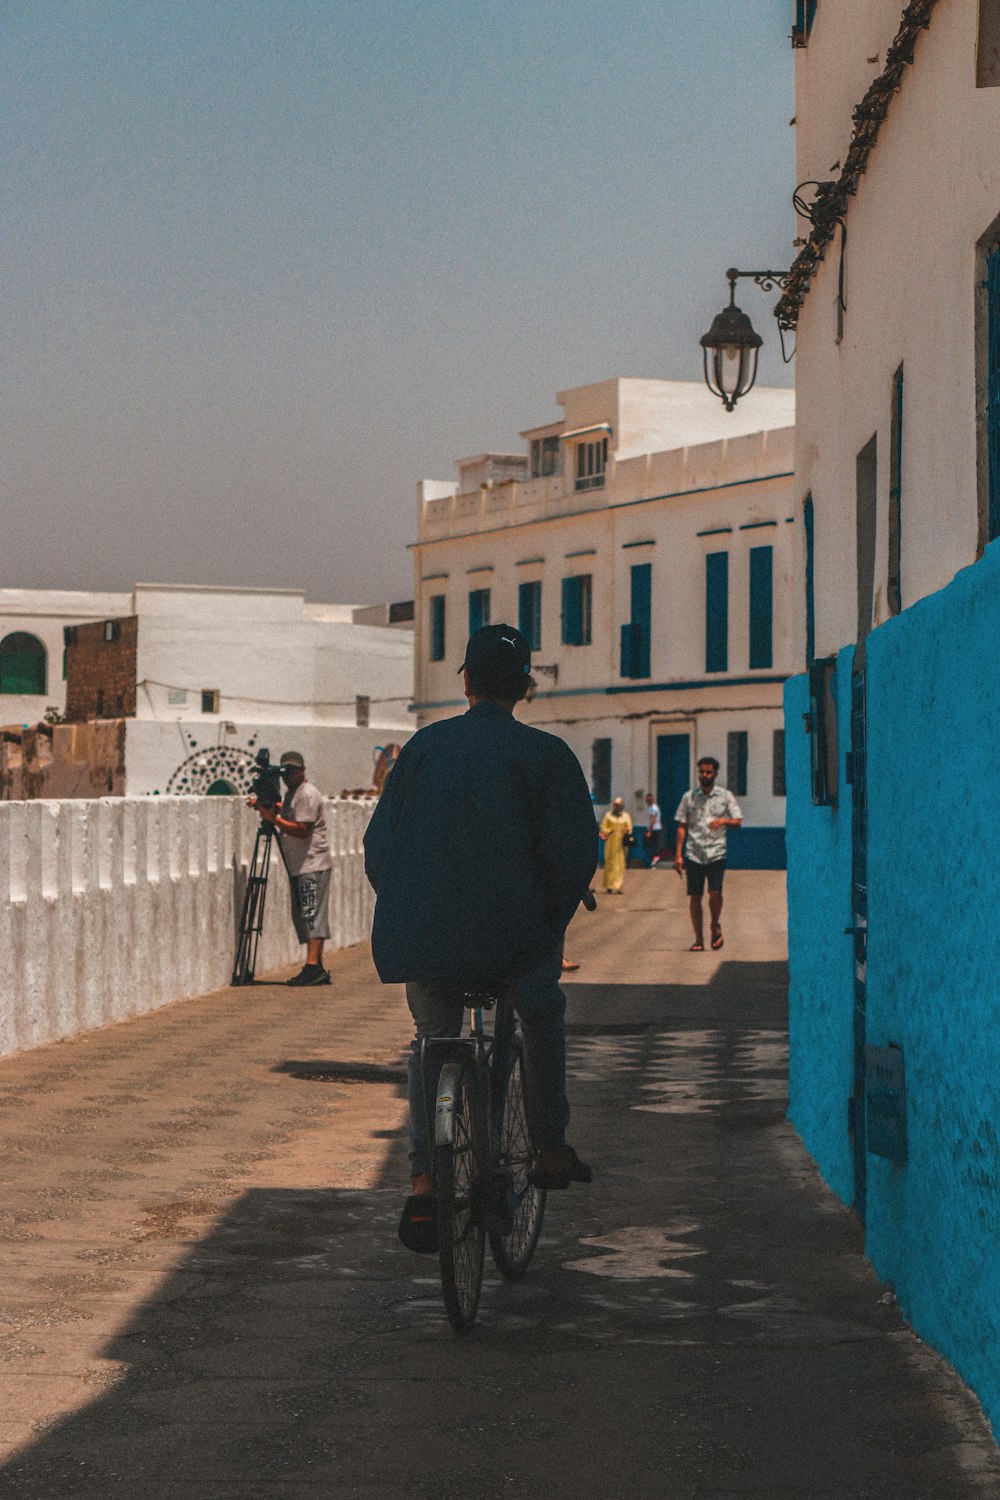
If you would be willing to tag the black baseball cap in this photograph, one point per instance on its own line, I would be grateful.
(498, 651)
(293, 758)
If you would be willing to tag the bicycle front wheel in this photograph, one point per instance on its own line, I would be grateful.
(457, 1182)
(513, 1251)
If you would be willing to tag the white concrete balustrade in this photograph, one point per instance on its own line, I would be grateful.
(113, 907)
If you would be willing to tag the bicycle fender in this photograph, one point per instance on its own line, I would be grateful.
(444, 1104)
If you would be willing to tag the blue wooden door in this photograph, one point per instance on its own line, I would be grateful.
(673, 778)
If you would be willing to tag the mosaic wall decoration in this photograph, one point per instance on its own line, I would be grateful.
(218, 769)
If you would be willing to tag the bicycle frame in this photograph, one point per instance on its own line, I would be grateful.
(488, 1054)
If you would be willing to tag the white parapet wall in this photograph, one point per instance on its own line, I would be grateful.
(111, 908)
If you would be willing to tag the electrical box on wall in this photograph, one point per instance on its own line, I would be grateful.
(885, 1098)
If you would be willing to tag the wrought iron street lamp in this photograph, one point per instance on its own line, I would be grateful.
(731, 344)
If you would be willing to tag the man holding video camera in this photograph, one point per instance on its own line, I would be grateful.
(300, 822)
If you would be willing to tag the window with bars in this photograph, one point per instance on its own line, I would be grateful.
(737, 754)
(545, 457)
(591, 462)
(577, 609)
(437, 608)
(529, 612)
(822, 725)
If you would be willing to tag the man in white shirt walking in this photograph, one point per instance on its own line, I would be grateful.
(704, 816)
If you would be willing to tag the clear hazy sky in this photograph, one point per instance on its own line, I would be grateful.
(270, 262)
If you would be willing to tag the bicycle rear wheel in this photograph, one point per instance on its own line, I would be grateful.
(457, 1184)
(513, 1251)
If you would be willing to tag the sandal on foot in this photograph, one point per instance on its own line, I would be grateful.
(418, 1224)
(697, 948)
(557, 1168)
(717, 939)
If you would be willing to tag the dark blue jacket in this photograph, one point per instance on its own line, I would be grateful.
(480, 848)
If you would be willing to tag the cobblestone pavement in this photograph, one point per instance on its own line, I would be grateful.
(203, 1295)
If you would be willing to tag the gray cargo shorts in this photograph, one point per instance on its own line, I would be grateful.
(311, 905)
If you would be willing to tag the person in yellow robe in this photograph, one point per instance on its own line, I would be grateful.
(615, 831)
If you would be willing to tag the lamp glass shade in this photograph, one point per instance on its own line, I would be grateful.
(730, 352)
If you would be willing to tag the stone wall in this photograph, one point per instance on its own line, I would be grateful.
(114, 907)
(101, 672)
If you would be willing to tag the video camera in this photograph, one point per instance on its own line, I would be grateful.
(266, 786)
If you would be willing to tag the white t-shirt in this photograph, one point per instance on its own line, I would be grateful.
(653, 820)
(306, 856)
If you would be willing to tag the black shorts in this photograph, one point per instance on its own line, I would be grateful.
(696, 876)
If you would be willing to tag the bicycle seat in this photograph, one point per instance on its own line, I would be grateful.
(474, 995)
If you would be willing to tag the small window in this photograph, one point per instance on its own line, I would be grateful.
(717, 612)
(737, 750)
(210, 700)
(778, 764)
(821, 723)
(577, 599)
(479, 609)
(529, 613)
(112, 630)
(591, 462)
(437, 627)
(600, 770)
(545, 457)
(362, 711)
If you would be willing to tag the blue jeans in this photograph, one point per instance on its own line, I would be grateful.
(541, 1006)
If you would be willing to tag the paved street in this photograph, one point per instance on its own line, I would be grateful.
(203, 1294)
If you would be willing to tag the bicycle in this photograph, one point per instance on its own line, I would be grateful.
(478, 1121)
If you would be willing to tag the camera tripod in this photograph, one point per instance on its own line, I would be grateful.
(252, 913)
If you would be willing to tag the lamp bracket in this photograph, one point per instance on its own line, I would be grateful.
(766, 280)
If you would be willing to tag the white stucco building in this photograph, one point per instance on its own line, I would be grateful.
(892, 873)
(644, 544)
(202, 678)
(32, 676)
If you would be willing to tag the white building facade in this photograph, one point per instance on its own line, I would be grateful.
(644, 544)
(211, 676)
(893, 886)
(32, 675)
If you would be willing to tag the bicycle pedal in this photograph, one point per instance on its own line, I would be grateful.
(495, 1202)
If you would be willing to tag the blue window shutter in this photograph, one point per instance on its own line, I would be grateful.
(717, 612)
(437, 627)
(600, 770)
(993, 390)
(808, 523)
(642, 591)
(529, 613)
(479, 609)
(761, 606)
(572, 612)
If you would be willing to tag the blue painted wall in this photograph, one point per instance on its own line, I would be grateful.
(934, 963)
(820, 957)
(933, 1225)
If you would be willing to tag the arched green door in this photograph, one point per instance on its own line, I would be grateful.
(22, 664)
(222, 789)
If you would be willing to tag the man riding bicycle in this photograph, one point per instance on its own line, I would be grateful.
(479, 851)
